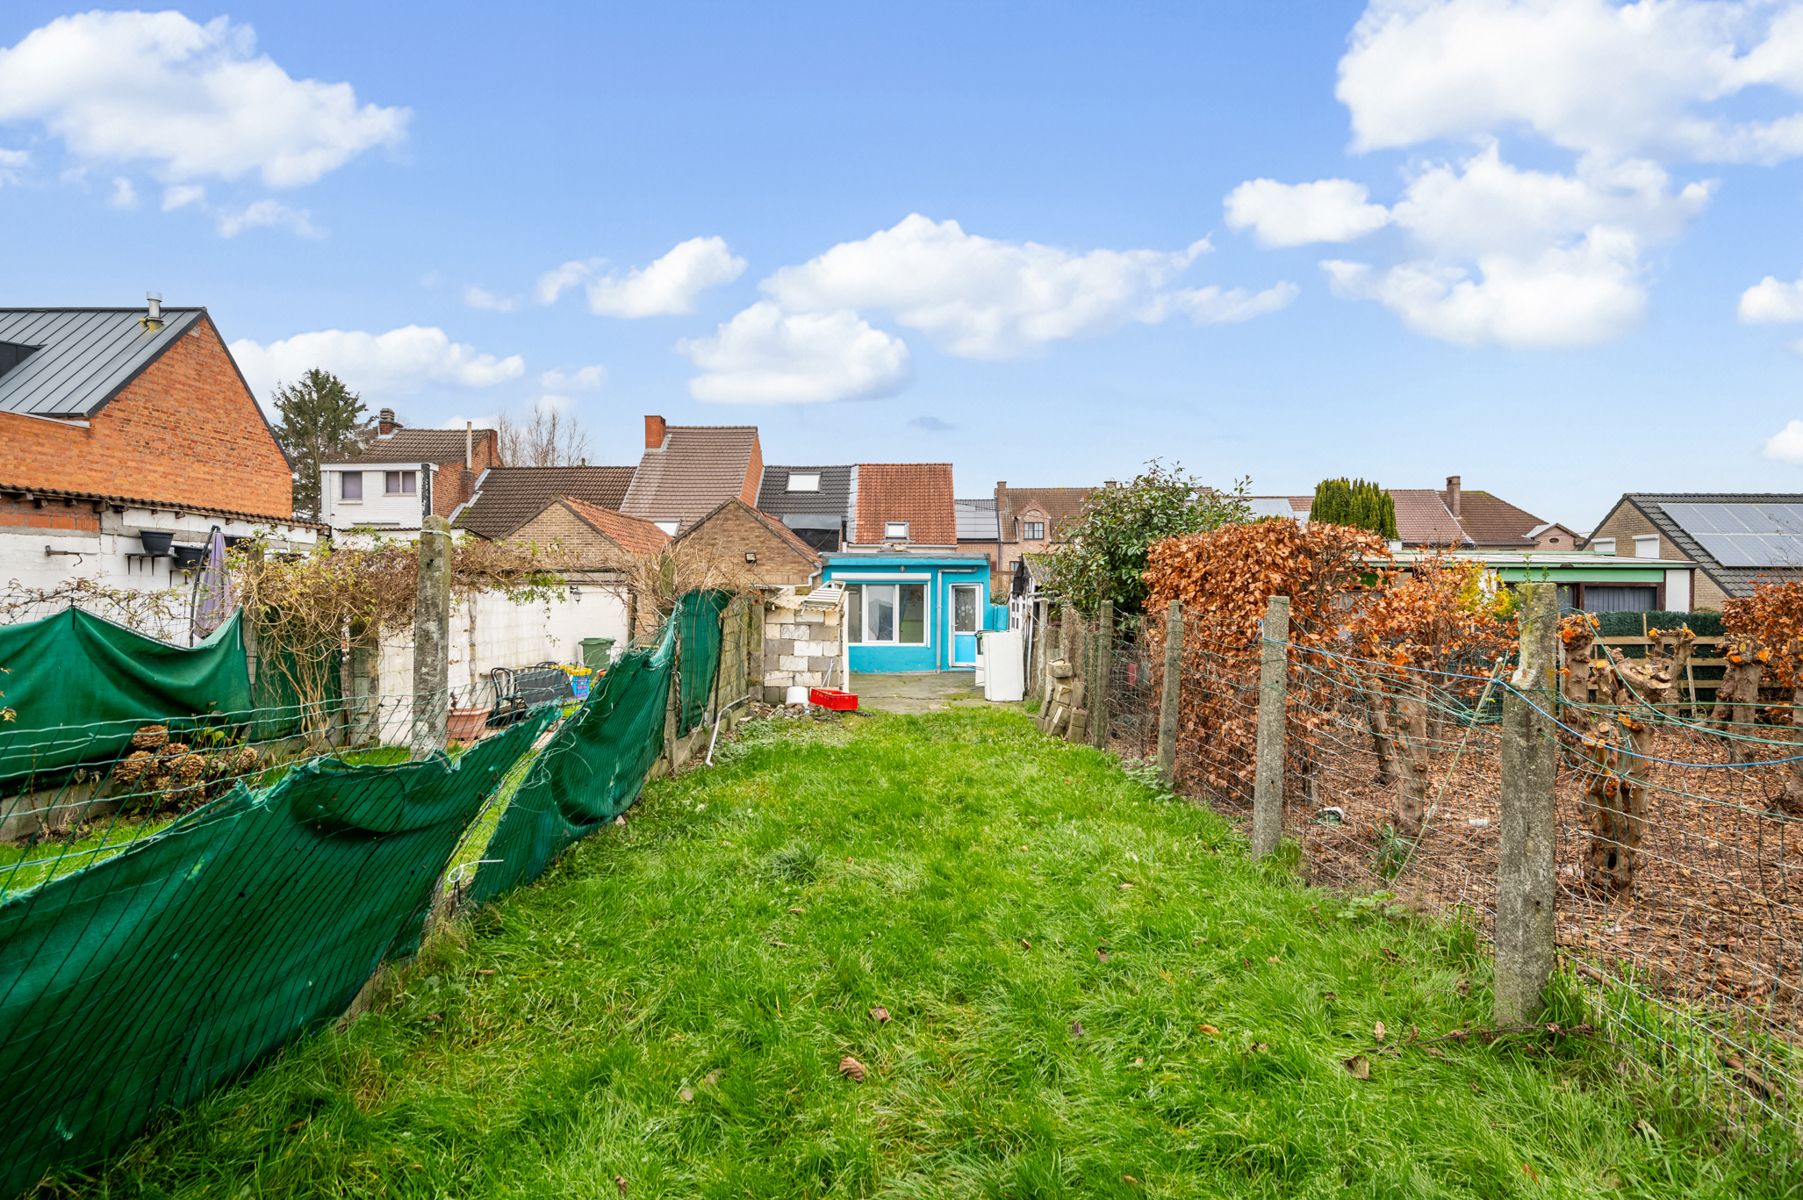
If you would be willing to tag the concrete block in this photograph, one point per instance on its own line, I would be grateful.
(813, 616)
(821, 663)
(791, 631)
(791, 662)
(778, 679)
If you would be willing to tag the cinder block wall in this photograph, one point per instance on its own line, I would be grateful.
(802, 646)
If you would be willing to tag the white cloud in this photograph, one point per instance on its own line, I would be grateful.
(192, 101)
(266, 214)
(124, 193)
(1294, 214)
(375, 364)
(766, 356)
(582, 379)
(1223, 306)
(1786, 446)
(183, 194)
(668, 286)
(11, 163)
(1569, 296)
(1525, 258)
(1772, 301)
(482, 298)
(979, 297)
(1589, 75)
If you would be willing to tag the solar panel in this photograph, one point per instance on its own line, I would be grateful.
(1745, 534)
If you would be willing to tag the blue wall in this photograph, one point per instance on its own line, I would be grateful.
(939, 573)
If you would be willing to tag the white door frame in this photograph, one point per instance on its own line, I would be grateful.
(951, 618)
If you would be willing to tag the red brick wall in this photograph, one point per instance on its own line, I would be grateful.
(185, 431)
(754, 475)
(54, 515)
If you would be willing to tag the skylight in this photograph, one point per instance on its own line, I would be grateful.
(804, 481)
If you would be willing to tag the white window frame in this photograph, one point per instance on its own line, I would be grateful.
(346, 475)
(401, 477)
(803, 481)
(865, 582)
(1644, 541)
(891, 528)
(1603, 545)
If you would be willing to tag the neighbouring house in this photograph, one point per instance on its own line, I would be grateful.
(404, 475)
(1452, 517)
(1586, 581)
(508, 497)
(818, 503)
(914, 600)
(980, 533)
(1033, 520)
(1735, 540)
(772, 554)
(126, 436)
(687, 470)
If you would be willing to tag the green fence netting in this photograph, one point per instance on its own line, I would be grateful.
(81, 685)
(588, 773)
(140, 982)
(698, 639)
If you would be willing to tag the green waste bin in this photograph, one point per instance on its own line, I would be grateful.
(596, 653)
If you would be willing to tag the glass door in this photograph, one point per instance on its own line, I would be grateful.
(967, 608)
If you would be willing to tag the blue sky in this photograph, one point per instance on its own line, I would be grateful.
(1535, 253)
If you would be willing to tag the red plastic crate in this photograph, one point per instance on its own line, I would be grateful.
(833, 698)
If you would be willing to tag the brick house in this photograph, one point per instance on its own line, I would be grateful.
(1032, 521)
(508, 497)
(773, 554)
(914, 599)
(818, 503)
(117, 422)
(687, 470)
(1737, 540)
(403, 475)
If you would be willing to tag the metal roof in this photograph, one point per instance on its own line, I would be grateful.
(832, 495)
(81, 357)
(976, 520)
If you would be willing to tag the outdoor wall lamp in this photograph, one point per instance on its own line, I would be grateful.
(751, 556)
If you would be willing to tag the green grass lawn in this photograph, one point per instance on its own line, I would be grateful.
(1091, 993)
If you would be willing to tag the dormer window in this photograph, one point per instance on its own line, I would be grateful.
(895, 531)
(12, 354)
(804, 481)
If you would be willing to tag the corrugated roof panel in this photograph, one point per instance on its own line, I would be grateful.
(83, 356)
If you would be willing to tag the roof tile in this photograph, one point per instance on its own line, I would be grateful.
(508, 497)
(918, 493)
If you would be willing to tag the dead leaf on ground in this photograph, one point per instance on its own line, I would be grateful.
(1210, 1030)
(1377, 1031)
(712, 1077)
(1076, 1029)
(795, 910)
(879, 1014)
(1358, 1066)
(1528, 1170)
(620, 820)
(1025, 944)
(686, 1095)
(852, 1069)
(620, 1183)
(1101, 954)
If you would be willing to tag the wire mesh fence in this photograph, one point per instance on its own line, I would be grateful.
(1678, 877)
(188, 892)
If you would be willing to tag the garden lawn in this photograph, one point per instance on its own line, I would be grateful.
(1090, 992)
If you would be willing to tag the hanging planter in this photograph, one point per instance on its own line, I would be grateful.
(156, 541)
(189, 557)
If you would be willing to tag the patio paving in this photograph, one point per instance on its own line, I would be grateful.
(926, 691)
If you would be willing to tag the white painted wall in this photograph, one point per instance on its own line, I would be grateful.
(377, 509)
(489, 631)
(102, 557)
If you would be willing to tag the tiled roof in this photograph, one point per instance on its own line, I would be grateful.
(1059, 504)
(696, 468)
(166, 505)
(68, 362)
(918, 493)
(976, 520)
(1735, 581)
(1492, 521)
(632, 534)
(416, 445)
(776, 527)
(1422, 518)
(834, 496)
(508, 497)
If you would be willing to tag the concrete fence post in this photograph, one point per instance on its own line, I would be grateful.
(432, 639)
(1103, 658)
(1273, 688)
(1167, 699)
(1525, 927)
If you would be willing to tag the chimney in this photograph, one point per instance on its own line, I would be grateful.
(1452, 495)
(385, 422)
(153, 318)
(654, 432)
(469, 445)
